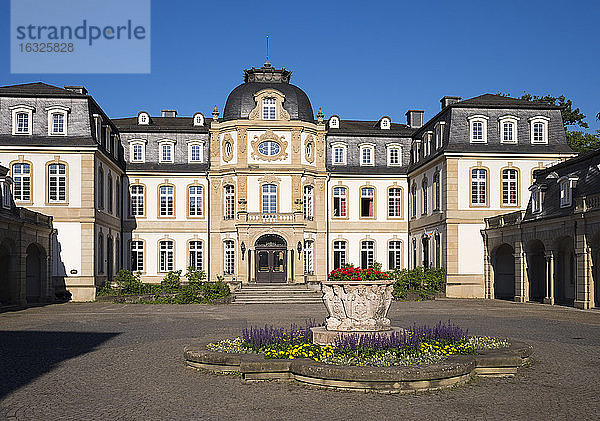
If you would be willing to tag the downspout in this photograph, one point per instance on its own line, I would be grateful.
(327, 223)
(208, 218)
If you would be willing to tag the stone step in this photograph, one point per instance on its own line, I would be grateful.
(277, 301)
(277, 294)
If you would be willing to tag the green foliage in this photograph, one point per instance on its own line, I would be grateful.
(194, 275)
(213, 290)
(425, 282)
(171, 281)
(581, 141)
(127, 282)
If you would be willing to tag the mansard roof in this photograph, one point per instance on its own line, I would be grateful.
(499, 101)
(161, 124)
(38, 89)
(370, 128)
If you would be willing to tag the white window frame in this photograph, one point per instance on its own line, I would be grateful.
(510, 185)
(132, 144)
(57, 110)
(397, 148)
(25, 109)
(545, 123)
(385, 123)
(171, 145)
(334, 122)
(508, 119)
(269, 108)
(367, 251)
(196, 198)
(229, 196)
(98, 128)
(22, 180)
(565, 185)
(478, 118)
(166, 207)
(268, 197)
(198, 119)
(341, 247)
(136, 253)
(439, 134)
(363, 148)
(166, 255)
(137, 201)
(536, 199)
(196, 254)
(307, 204)
(395, 253)
(479, 182)
(308, 256)
(228, 257)
(344, 150)
(395, 202)
(191, 146)
(342, 199)
(61, 183)
(143, 118)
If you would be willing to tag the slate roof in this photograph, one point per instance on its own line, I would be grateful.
(35, 140)
(586, 167)
(166, 167)
(161, 124)
(38, 89)
(370, 128)
(499, 101)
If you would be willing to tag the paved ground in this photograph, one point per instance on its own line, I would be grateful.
(113, 361)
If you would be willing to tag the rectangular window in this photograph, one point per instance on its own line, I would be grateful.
(167, 256)
(367, 254)
(339, 254)
(269, 198)
(196, 254)
(367, 156)
(536, 200)
(538, 132)
(508, 132)
(395, 202)
(100, 254)
(565, 193)
(137, 200)
(478, 187)
(308, 257)
(339, 155)
(229, 266)
(137, 153)
(510, 187)
(57, 183)
(424, 197)
(167, 153)
(195, 153)
(308, 202)
(413, 197)
(395, 255)
(367, 202)
(196, 200)
(21, 174)
(137, 256)
(22, 123)
(100, 188)
(393, 156)
(269, 109)
(229, 202)
(118, 196)
(436, 191)
(166, 201)
(58, 123)
(110, 194)
(477, 131)
(339, 202)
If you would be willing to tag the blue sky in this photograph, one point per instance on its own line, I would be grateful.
(359, 60)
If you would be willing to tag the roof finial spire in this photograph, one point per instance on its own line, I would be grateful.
(267, 64)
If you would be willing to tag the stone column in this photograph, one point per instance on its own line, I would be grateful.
(549, 278)
(521, 281)
(488, 275)
(584, 275)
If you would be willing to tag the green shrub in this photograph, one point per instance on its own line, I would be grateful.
(425, 282)
(171, 282)
(195, 276)
(127, 282)
(213, 290)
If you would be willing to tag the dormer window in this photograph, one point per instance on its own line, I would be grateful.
(198, 119)
(269, 105)
(143, 118)
(536, 199)
(394, 155)
(508, 129)
(334, 122)
(195, 152)
(137, 152)
(478, 128)
(21, 119)
(565, 186)
(439, 134)
(339, 154)
(539, 129)
(367, 154)
(57, 120)
(166, 148)
(385, 123)
(427, 143)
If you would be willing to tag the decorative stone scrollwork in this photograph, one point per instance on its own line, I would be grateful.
(214, 147)
(242, 140)
(282, 114)
(309, 147)
(296, 141)
(227, 147)
(269, 179)
(269, 135)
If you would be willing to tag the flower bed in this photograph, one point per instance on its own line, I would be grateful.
(418, 345)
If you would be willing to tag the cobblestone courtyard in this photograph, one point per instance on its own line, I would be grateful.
(113, 361)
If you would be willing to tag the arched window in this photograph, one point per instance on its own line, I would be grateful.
(339, 202)
(137, 256)
(438, 250)
(229, 202)
(308, 257)
(109, 204)
(424, 197)
(166, 256)
(100, 253)
(196, 200)
(479, 187)
(308, 202)
(229, 257)
(100, 188)
(118, 196)
(395, 202)
(269, 198)
(339, 254)
(136, 199)
(269, 108)
(57, 183)
(21, 174)
(395, 255)
(195, 250)
(510, 187)
(413, 194)
(414, 248)
(166, 200)
(367, 202)
(367, 254)
(436, 191)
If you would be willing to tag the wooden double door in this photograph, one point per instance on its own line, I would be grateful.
(271, 264)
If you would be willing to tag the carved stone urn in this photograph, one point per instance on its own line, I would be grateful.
(357, 306)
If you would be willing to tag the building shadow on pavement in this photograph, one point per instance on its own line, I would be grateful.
(27, 355)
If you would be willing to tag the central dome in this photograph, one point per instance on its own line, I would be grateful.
(241, 100)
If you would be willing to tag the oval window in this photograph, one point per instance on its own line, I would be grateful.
(269, 148)
(228, 149)
(309, 150)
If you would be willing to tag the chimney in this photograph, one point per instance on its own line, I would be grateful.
(169, 113)
(414, 118)
(447, 100)
(77, 89)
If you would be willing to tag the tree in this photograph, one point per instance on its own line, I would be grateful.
(578, 140)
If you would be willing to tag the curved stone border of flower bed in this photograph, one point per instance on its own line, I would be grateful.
(456, 369)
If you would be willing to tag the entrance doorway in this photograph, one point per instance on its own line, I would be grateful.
(504, 273)
(271, 259)
(35, 272)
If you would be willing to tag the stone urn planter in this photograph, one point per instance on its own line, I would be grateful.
(357, 306)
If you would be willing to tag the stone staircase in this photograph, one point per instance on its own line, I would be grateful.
(276, 294)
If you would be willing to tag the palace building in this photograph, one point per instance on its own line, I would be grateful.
(267, 191)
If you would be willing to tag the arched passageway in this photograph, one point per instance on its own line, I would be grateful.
(565, 272)
(8, 280)
(536, 270)
(35, 272)
(271, 259)
(504, 272)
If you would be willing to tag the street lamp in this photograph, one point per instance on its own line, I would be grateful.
(299, 249)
